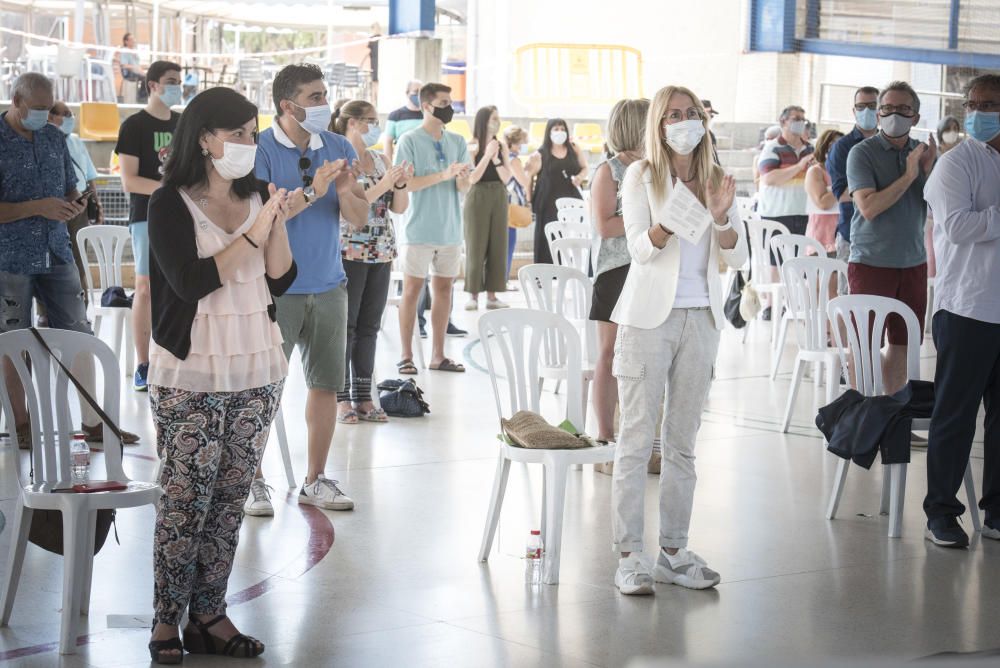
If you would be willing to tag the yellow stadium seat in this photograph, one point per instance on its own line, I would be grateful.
(461, 127)
(503, 127)
(536, 134)
(264, 121)
(589, 136)
(99, 121)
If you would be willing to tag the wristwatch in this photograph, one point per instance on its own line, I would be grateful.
(309, 195)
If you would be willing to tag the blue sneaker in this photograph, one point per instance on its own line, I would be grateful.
(946, 532)
(139, 380)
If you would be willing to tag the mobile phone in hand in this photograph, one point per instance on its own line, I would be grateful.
(84, 197)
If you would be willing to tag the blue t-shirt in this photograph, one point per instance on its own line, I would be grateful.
(434, 217)
(314, 234)
(32, 170)
(836, 167)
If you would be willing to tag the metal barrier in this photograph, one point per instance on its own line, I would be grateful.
(114, 200)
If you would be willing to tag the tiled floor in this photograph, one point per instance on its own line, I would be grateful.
(400, 583)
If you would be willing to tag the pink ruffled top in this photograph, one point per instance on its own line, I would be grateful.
(235, 345)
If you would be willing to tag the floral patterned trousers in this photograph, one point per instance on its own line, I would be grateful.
(210, 444)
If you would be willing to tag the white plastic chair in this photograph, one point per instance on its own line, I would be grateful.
(286, 457)
(513, 341)
(853, 313)
(571, 252)
(107, 243)
(573, 215)
(806, 280)
(570, 203)
(761, 232)
(566, 292)
(47, 391)
(787, 247)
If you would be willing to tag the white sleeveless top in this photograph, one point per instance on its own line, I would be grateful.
(235, 345)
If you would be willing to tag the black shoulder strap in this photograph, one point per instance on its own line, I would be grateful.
(81, 389)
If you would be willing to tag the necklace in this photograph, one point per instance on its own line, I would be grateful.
(680, 179)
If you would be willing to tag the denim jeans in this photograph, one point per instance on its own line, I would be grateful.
(673, 365)
(59, 291)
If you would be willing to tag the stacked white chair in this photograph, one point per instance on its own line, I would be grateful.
(514, 341)
(52, 427)
(570, 203)
(107, 244)
(788, 247)
(761, 232)
(571, 252)
(806, 280)
(863, 318)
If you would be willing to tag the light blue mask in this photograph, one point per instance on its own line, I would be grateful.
(867, 119)
(172, 95)
(415, 100)
(68, 125)
(983, 126)
(36, 119)
(371, 137)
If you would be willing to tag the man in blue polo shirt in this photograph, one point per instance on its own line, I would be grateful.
(298, 152)
(866, 125)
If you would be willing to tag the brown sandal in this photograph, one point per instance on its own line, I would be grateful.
(406, 367)
(449, 365)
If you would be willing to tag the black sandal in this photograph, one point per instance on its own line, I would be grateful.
(407, 367)
(157, 649)
(239, 646)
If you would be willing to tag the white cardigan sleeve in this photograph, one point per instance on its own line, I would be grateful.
(637, 215)
(736, 256)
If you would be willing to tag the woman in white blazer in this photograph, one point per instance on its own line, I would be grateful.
(669, 317)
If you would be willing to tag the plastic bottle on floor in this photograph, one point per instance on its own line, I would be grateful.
(79, 453)
(533, 559)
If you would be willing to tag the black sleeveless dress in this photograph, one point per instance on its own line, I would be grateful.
(554, 181)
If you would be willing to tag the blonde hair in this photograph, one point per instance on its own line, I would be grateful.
(659, 156)
(515, 135)
(627, 125)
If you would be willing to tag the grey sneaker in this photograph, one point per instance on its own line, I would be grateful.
(632, 577)
(686, 569)
(258, 503)
(324, 493)
(991, 529)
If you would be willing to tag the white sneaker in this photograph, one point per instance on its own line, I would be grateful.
(494, 304)
(472, 305)
(258, 503)
(324, 493)
(632, 577)
(686, 569)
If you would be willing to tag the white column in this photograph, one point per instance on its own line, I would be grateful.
(78, 18)
(155, 45)
(329, 30)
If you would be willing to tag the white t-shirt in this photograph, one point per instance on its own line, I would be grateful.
(692, 278)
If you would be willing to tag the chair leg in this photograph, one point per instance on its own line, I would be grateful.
(74, 533)
(897, 473)
(117, 331)
(746, 332)
(886, 500)
(88, 563)
(838, 487)
(18, 542)
(129, 343)
(832, 379)
(793, 392)
(970, 493)
(496, 503)
(286, 457)
(554, 505)
(776, 353)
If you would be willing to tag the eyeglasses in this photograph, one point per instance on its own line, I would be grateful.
(901, 109)
(675, 115)
(371, 121)
(986, 105)
(861, 106)
(440, 152)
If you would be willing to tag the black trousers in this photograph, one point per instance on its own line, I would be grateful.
(367, 292)
(968, 372)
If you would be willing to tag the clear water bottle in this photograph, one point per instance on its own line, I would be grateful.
(79, 456)
(533, 559)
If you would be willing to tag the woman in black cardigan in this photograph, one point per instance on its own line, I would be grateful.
(219, 251)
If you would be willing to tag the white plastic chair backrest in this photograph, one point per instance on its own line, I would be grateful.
(513, 341)
(863, 318)
(571, 252)
(567, 230)
(789, 246)
(47, 392)
(570, 203)
(573, 215)
(69, 61)
(564, 291)
(807, 281)
(761, 232)
(746, 204)
(107, 243)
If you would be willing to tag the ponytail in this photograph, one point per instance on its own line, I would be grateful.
(346, 109)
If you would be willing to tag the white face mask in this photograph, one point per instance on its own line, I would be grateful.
(685, 136)
(237, 160)
(559, 137)
(950, 137)
(797, 127)
(317, 118)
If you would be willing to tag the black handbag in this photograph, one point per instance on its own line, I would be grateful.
(46, 529)
(402, 398)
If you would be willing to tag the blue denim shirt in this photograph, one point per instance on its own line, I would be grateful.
(31, 170)
(836, 167)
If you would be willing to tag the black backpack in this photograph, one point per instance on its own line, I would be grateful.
(402, 398)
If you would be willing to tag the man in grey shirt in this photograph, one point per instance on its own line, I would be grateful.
(885, 176)
(964, 193)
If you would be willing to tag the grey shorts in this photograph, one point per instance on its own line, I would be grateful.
(318, 325)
